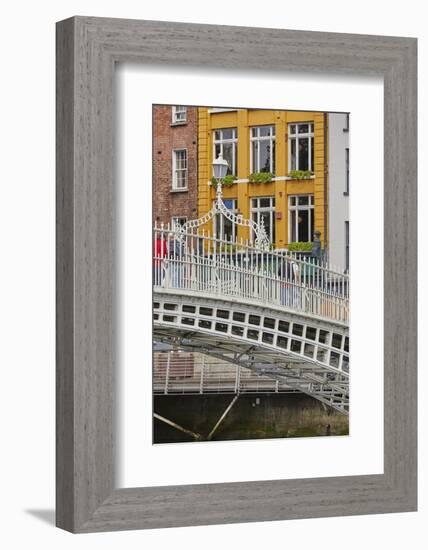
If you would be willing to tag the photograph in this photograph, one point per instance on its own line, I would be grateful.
(250, 273)
(179, 231)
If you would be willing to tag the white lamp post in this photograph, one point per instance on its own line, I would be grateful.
(220, 166)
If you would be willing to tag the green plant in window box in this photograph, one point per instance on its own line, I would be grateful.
(228, 181)
(300, 247)
(260, 177)
(300, 174)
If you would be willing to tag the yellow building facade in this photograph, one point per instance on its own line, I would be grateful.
(288, 144)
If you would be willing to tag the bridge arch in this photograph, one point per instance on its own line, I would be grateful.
(305, 351)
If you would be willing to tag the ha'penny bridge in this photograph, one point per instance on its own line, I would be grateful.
(234, 316)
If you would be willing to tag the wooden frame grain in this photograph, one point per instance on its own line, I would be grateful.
(87, 50)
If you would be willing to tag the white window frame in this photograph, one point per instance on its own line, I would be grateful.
(255, 163)
(297, 208)
(258, 210)
(175, 169)
(221, 218)
(177, 114)
(175, 218)
(222, 141)
(295, 136)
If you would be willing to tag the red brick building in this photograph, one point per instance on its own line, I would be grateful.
(175, 163)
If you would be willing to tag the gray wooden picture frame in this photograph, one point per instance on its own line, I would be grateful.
(87, 50)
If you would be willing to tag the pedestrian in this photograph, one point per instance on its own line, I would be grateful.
(175, 264)
(288, 272)
(160, 254)
(296, 288)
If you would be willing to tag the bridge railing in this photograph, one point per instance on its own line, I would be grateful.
(176, 373)
(199, 262)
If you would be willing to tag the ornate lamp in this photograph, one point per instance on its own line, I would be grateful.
(220, 166)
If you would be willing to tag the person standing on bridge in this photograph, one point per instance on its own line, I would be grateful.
(175, 264)
(160, 253)
(288, 272)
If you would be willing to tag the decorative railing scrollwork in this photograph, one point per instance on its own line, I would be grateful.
(261, 241)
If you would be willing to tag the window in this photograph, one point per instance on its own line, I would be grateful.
(224, 228)
(264, 208)
(347, 246)
(301, 146)
(177, 221)
(179, 114)
(346, 171)
(262, 149)
(300, 218)
(179, 169)
(226, 145)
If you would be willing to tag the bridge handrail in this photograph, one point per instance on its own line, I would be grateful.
(205, 263)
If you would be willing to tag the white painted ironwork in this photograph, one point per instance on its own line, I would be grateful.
(177, 372)
(197, 262)
(261, 241)
(304, 352)
(281, 316)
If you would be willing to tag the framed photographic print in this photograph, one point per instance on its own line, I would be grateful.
(230, 245)
(236, 293)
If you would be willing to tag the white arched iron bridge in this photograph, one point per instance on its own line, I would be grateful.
(280, 317)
